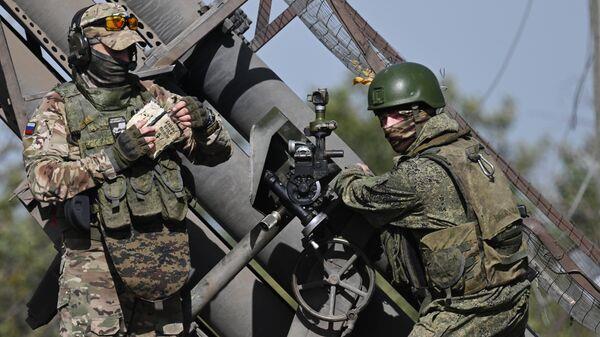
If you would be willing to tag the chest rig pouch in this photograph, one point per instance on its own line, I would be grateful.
(140, 211)
(488, 250)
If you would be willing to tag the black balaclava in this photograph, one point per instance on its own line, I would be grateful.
(106, 71)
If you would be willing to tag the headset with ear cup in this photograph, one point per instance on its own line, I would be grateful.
(79, 46)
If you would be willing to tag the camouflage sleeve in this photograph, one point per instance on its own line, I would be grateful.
(381, 199)
(55, 170)
(163, 97)
(202, 147)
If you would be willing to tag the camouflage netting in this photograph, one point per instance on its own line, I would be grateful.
(561, 285)
(320, 18)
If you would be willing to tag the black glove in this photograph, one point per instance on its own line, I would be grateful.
(202, 117)
(129, 147)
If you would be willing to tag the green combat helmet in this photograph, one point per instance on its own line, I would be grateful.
(405, 83)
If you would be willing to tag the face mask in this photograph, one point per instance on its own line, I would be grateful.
(104, 70)
(402, 134)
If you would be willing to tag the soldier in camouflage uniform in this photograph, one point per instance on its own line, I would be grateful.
(450, 227)
(123, 275)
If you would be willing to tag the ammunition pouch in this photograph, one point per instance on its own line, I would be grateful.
(172, 191)
(80, 218)
(143, 194)
(143, 197)
(452, 261)
(454, 264)
(391, 248)
(505, 255)
(112, 204)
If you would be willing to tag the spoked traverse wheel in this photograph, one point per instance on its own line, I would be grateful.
(334, 282)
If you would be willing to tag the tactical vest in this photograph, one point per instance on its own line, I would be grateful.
(150, 258)
(485, 252)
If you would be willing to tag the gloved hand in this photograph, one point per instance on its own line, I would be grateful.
(190, 113)
(134, 143)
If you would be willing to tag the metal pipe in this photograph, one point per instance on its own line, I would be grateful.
(229, 266)
(231, 313)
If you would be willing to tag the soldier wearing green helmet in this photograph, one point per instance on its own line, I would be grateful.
(449, 224)
(125, 258)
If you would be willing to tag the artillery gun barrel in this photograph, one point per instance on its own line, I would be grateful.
(244, 89)
(241, 254)
(224, 70)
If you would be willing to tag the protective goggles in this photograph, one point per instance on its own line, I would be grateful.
(117, 22)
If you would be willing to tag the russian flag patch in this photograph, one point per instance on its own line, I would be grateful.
(30, 128)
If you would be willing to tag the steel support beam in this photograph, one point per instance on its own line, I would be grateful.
(14, 109)
(263, 17)
(374, 38)
(265, 31)
(166, 55)
(24, 13)
(374, 61)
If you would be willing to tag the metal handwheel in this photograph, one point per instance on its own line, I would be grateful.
(336, 273)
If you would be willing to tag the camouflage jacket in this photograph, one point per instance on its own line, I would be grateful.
(415, 198)
(393, 198)
(56, 170)
(418, 199)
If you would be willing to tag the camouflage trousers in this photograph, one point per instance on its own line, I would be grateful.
(499, 312)
(90, 304)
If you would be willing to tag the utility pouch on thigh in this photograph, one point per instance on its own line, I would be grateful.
(451, 257)
(171, 189)
(142, 195)
(113, 204)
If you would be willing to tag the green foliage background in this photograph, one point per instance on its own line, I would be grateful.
(25, 251)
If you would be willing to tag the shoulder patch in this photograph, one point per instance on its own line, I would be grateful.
(117, 125)
(30, 128)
